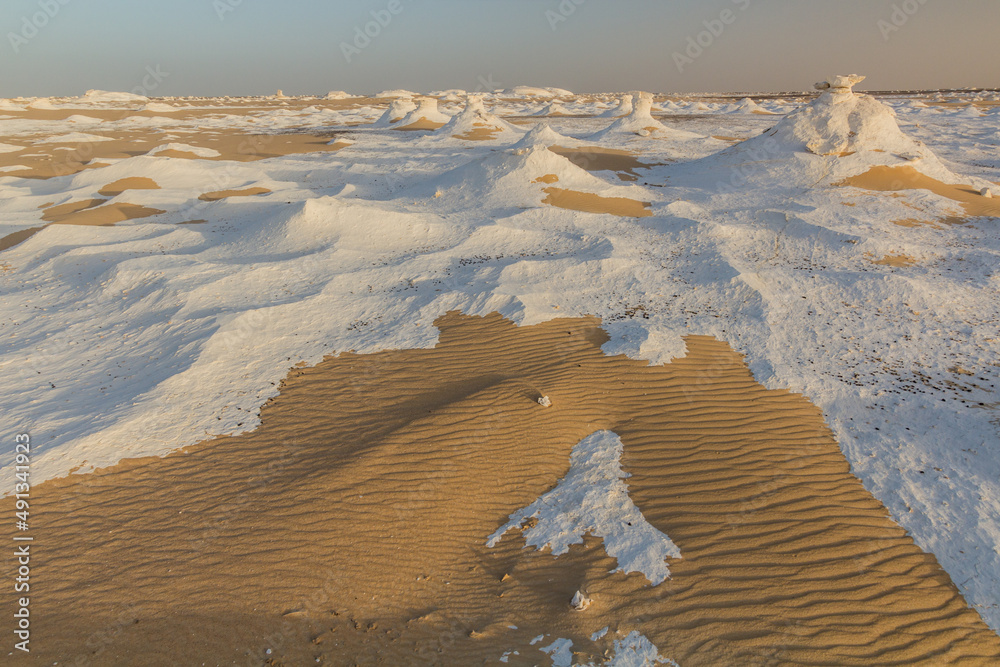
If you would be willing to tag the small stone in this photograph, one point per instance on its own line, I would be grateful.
(580, 601)
(986, 192)
(545, 402)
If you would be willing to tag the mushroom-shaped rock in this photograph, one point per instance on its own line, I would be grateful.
(641, 123)
(840, 84)
(396, 112)
(426, 116)
(623, 109)
(476, 123)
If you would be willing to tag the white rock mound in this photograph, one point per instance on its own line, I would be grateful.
(199, 151)
(838, 135)
(42, 104)
(642, 124)
(517, 177)
(553, 108)
(475, 122)
(623, 109)
(747, 105)
(543, 135)
(426, 116)
(106, 96)
(841, 121)
(397, 111)
(397, 92)
(532, 91)
(157, 107)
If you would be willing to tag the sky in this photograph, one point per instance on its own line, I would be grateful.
(253, 47)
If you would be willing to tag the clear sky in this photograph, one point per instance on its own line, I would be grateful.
(232, 47)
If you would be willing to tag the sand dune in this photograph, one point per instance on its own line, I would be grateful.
(354, 522)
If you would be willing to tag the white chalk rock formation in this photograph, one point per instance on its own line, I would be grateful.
(553, 108)
(425, 116)
(623, 109)
(518, 177)
(841, 121)
(581, 602)
(641, 123)
(543, 135)
(838, 135)
(475, 120)
(747, 105)
(592, 499)
(396, 112)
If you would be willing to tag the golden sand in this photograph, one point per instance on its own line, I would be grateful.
(103, 215)
(591, 203)
(207, 108)
(480, 133)
(63, 211)
(892, 179)
(420, 125)
(89, 212)
(131, 183)
(598, 158)
(896, 260)
(350, 528)
(230, 144)
(20, 236)
(180, 155)
(225, 194)
(936, 223)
